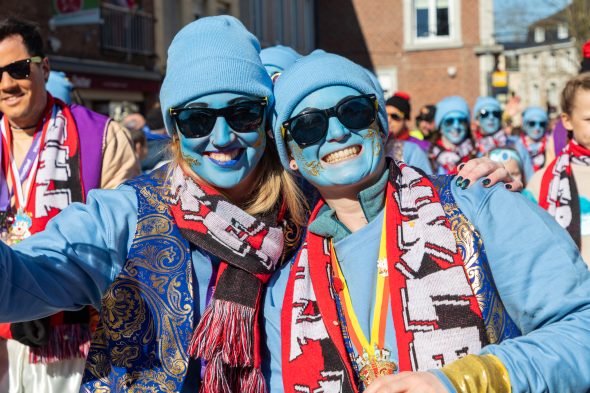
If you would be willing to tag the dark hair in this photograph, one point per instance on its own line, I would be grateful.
(29, 31)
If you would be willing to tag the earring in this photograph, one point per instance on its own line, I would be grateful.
(293, 166)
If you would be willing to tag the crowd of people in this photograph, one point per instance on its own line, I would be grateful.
(278, 225)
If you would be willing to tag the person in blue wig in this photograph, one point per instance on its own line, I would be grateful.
(535, 124)
(408, 283)
(59, 86)
(176, 260)
(278, 58)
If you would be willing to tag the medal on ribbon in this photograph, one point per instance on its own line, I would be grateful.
(373, 360)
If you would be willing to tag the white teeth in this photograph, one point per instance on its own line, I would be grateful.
(224, 156)
(343, 154)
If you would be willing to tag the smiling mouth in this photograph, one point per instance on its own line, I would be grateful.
(12, 98)
(225, 158)
(342, 155)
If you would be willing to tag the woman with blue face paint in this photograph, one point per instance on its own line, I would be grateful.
(455, 145)
(487, 114)
(392, 290)
(175, 260)
(277, 58)
(534, 138)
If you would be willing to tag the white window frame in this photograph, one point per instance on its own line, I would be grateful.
(539, 34)
(413, 42)
(562, 31)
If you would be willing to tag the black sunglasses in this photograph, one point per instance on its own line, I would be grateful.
(540, 124)
(485, 114)
(449, 121)
(20, 69)
(197, 122)
(311, 125)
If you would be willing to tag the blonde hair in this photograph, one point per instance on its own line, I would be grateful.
(568, 94)
(272, 183)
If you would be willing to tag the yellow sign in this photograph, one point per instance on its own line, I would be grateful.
(499, 79)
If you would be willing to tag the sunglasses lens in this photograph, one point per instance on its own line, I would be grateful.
(19, 69)
(195, 123)
(395, 116)
(542, 124)
(356, 113)
(245, 117)
(308, 128)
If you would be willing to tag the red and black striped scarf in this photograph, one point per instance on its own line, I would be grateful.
(536, 151)
(422, 254)
(228, 334)
(559, 193)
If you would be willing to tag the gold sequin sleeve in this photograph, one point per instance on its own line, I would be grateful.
(473, 373)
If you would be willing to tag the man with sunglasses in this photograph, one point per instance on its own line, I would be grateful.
(393, 275)
(400, 144)
(534, 137)
(52, 155)
(489, 135)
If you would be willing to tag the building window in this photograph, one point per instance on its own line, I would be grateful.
(562, 31)
(126, 30)
(433, 24)
(539, 34)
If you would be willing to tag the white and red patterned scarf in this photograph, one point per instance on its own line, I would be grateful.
(486, 143)
(536, 151)
(449, 159)
(434, 310)
(228, 334)
(559, 193)
(57, 179)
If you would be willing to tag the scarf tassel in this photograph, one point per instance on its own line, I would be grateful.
(243, 380)
(65, 342)
(225, 330)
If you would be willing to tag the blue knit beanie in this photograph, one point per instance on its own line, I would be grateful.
(313, 72)
(485, 102)
(59, 86)
(279, 56)
(536, 112)
(212, 55)
(449, 104)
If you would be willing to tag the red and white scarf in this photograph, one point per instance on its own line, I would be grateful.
(228, 334)
(536, 151)
(486, 143)
(559, 193)
(434, 311)
(56, 175)
(450, 158)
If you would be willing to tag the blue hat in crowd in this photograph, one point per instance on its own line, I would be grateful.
(59, 86)
(212, 55)
(535, 112)
(450, 104)
(279, 56)
(376, 82)
(314, 72)
(483, 102)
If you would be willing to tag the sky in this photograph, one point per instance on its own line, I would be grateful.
(513, 16)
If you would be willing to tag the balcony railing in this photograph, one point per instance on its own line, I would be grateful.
(126, 30)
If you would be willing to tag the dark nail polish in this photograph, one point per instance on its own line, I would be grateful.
(459, 181)
(465, 184)
(509, 186)
(486, 182)
(461, 166)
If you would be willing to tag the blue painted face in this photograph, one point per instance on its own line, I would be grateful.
(224, 158)
(490, 119)
(455, 127)
(344, 156)
(535, 127)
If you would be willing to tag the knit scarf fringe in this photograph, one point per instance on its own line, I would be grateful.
(65, 342)
(225, 332)
(245, 380)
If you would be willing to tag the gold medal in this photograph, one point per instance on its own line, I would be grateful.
(373, 367)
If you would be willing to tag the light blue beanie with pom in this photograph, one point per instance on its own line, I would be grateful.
(313, 72)
(212, 55)
(450, 104)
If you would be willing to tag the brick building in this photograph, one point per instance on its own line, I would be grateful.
(429, 48)
(106, 48)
